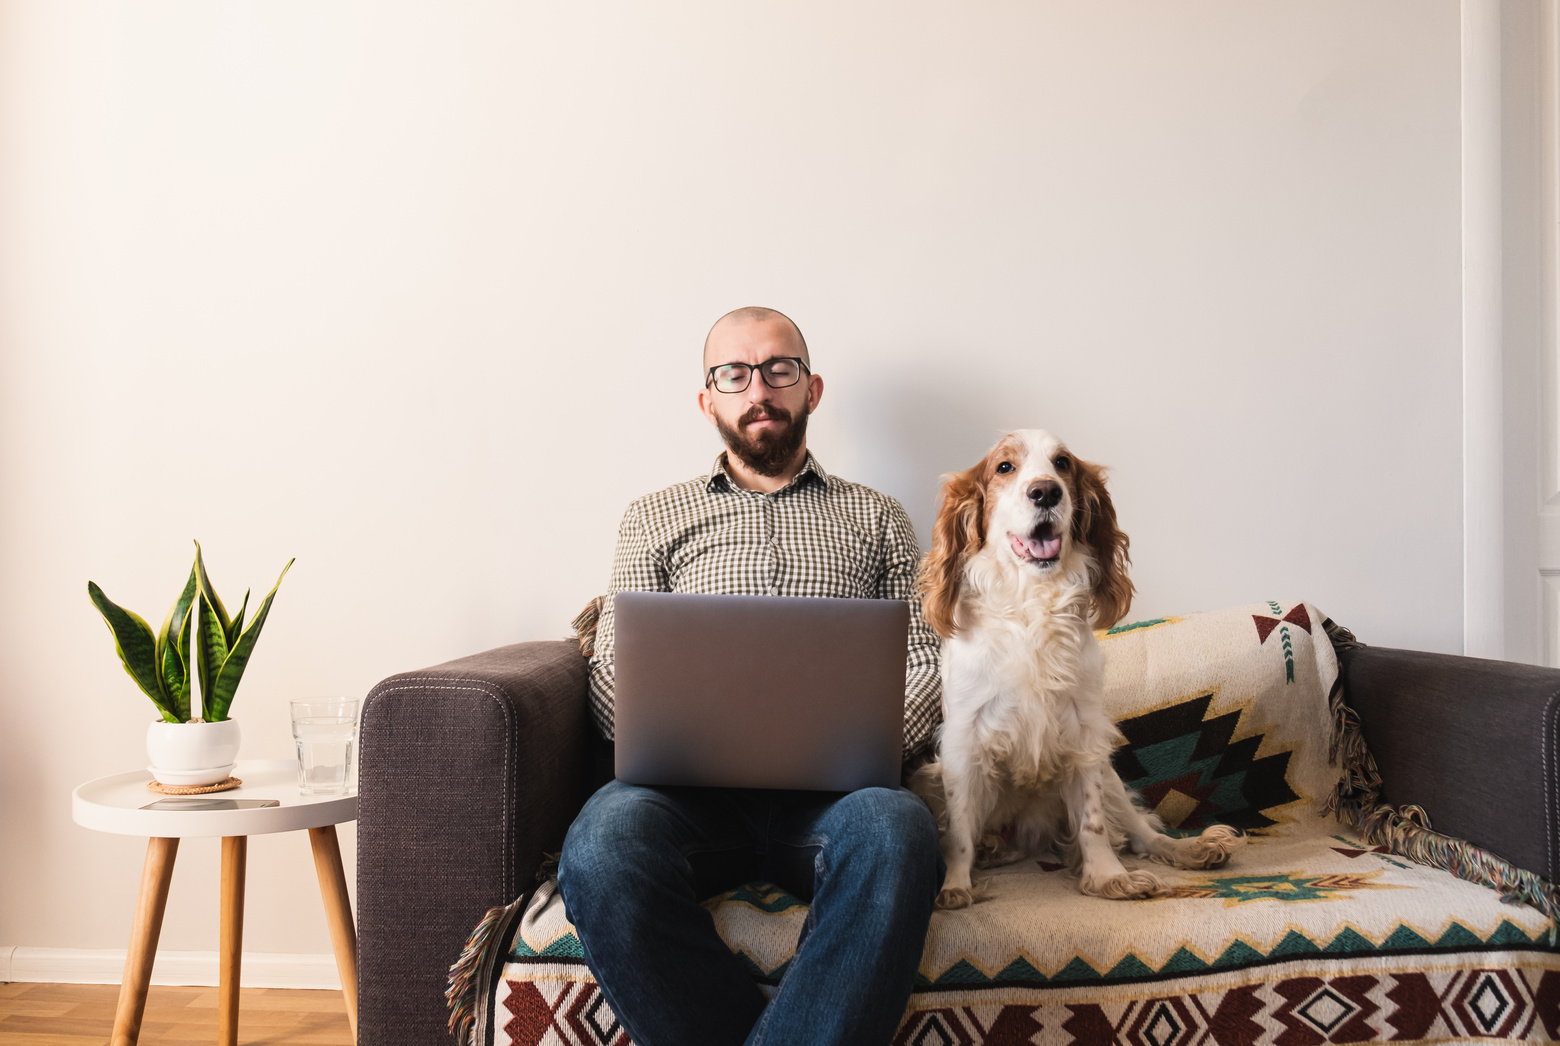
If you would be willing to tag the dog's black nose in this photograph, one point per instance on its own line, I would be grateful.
(1045, 493)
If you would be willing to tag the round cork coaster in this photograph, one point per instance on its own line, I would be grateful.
(221, 786)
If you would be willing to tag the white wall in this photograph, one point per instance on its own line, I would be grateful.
(415, 292)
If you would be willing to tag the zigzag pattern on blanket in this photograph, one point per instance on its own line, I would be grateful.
(1026, 968)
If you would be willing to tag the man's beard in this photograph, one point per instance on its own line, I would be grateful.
(768, 452)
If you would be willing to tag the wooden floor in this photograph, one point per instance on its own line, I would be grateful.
(83, 1015)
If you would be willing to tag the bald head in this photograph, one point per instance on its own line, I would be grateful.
(753, 314)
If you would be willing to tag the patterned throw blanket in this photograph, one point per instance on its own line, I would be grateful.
(1312, 934)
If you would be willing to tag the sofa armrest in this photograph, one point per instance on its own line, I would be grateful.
(470, 770)
(1472, 742)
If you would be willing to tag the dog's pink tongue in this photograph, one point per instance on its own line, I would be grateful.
(1037, 548)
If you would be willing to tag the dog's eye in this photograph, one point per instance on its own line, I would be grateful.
(1006, 466)
(1062, 464)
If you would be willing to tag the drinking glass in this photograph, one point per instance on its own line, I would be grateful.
(325, 731)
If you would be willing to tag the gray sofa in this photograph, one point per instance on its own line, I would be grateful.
(471, 770)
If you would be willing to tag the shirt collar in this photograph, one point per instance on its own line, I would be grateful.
(720, 476)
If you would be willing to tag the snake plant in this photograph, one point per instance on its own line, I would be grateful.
(160, 662)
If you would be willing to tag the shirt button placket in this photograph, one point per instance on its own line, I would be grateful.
(771, 545)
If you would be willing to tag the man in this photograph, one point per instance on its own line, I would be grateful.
(767, 520)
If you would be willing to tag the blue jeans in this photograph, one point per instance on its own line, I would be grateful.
(637, 862)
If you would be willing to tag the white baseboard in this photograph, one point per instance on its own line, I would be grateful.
(107, 966)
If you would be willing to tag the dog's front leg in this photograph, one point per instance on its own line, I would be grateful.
(1101, 872)
(970, 801)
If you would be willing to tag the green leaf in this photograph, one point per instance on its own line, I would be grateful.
(211, 650)
(166, 687)
(211, 631)
(238, 658)
(184, 653)
(210, 593)
(136, 646)
(173, 650)
(176, 685)
(236, 629)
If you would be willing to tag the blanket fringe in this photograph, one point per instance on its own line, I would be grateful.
(584, 625)
(1359, 779)
(463, 996)
(1359, 784)
(1407, 831)
(1357, 802)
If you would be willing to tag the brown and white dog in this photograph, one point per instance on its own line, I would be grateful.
(1026, 561)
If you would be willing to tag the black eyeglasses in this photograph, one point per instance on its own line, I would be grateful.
(780, 372)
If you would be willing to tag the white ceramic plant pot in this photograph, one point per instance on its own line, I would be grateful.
(192, 753)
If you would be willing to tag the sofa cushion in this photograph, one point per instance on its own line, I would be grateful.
(1309, 935)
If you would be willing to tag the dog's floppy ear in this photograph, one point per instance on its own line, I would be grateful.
(1094, 525)
(959, 532)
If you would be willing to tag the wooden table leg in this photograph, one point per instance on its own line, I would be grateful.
(338, 913)
(155, 876)
(235, 852)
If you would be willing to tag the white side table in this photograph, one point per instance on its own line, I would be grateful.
(114, 804)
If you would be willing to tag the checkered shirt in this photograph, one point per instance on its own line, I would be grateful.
(816, 536)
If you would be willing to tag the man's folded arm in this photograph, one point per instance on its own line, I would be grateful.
(634, 569)
(923, 681)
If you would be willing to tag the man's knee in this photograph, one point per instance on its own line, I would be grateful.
(621, 827)
(610, 818)
(891, 821)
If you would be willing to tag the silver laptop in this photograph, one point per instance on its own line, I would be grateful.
(759, 691)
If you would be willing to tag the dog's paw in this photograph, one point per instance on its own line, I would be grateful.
(1216, 844)
(954, 897)
(1210, 849)
(1131, 885)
